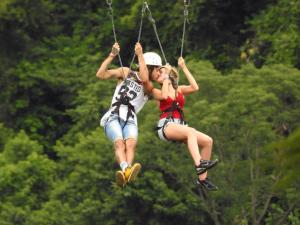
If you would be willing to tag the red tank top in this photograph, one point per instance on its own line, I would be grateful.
(167, 103)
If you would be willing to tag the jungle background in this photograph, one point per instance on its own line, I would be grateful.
(56, 165)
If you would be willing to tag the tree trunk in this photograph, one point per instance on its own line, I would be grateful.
(253, 194)
(210, 205)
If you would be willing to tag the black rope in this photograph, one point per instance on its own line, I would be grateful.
(140, 30)
(186, 15)
(152, 21)
(111, 14)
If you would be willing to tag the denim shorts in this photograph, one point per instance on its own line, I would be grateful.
(115, 129)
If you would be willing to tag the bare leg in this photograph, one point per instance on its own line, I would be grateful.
(130, 150)
(178, 132)
(133, 170)
(206, 143)
(120, 151)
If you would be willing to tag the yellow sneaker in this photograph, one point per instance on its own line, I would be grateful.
(120, 178)
(132, 172)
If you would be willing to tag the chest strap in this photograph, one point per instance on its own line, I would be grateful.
(174, 107)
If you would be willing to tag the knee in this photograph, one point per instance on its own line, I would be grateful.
(209, 141)
(119, 145)
(192, 132)
(130, 144)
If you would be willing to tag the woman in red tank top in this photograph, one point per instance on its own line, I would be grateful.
(171, 125)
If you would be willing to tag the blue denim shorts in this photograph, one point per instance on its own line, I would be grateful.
(115, 129)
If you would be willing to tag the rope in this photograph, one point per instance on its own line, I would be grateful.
(140, 29)
(155, 30)
(150, 17)
(111, 14)
(186, 14)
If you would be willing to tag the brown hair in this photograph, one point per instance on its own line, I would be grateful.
(174, 76)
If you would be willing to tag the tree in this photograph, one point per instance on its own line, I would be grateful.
(26, 177)
(276, 34)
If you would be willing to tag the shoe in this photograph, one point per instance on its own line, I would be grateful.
(120, 178)
(207, 184)
(205, 165)
(132, 172)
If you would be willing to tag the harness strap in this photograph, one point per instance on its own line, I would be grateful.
(124, 100)
(170, 110)
(175, 107)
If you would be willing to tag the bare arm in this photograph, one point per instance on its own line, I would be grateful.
(103, 73)
(163, 93)
(142, 65)
(193, 87)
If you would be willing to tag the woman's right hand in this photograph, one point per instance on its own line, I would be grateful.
(138, 49)
(115, 49)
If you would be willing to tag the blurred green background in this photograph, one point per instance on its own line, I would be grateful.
(56, 165)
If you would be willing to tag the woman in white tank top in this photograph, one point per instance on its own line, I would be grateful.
(120, 121)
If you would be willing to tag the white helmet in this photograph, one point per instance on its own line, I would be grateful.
(152, 59)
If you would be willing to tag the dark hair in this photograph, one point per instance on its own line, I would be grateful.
(150, 70)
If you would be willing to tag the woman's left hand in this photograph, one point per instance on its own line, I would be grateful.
(181, 62)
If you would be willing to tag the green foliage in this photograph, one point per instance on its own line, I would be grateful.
(46, 89)
(241, 112)
(54, 212)
(3, 5)
(286, 156)
(17, 148)
(23, 24)
(51, 102)
(277, 35)
(5, 135)
(25, 179)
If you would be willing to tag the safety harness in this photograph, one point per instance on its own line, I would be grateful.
(124, 99)
(174, 107)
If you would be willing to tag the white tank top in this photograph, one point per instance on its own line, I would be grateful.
(134, 90)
